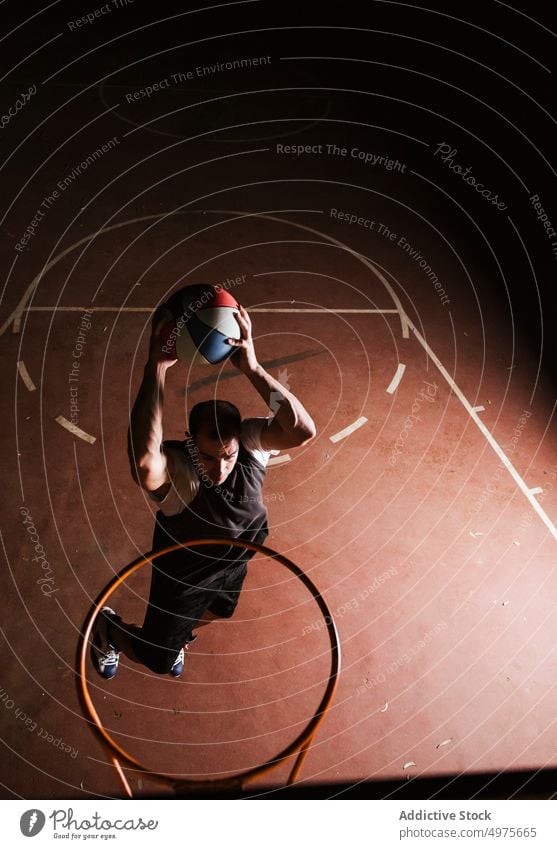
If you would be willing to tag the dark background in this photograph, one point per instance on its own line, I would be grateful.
(470, 80)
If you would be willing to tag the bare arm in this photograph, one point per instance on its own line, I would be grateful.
(150, 467)
(291, 425)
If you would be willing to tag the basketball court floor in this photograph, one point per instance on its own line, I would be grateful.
(424, 510)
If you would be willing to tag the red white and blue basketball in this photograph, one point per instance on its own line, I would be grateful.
(204, 319)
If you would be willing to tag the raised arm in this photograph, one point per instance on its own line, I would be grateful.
(291, 425)
(150, 467)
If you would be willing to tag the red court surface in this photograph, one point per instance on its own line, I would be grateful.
(424, 510)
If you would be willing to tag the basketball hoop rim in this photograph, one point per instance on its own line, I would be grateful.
(300, 745)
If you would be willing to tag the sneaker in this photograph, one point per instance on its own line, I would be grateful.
(104, 652)
(178, 665)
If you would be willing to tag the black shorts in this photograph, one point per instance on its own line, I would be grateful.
(182, 588)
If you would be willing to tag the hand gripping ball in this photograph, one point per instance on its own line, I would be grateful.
(203, 321)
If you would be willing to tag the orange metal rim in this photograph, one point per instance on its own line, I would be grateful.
(300, 745)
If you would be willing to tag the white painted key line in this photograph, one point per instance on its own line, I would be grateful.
(342, 434)
(401, 368)
(316, 311)
(77, 431)
(16, 315)
(25, 376)
(526, 490)
(276, 461)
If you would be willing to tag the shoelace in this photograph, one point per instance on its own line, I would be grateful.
(111, 656)
(180, 658)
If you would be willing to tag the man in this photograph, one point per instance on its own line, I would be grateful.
(209, 485)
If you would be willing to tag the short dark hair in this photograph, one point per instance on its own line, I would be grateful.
(220, 420)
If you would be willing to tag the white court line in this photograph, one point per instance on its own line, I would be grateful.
(276, 461)
(401, 368)
(479, 409)
(488, 435)
(536, 490)
(15, 316)
(321, 310)
(400, 311)
(342, 434)
(62, 420)
(25, 376)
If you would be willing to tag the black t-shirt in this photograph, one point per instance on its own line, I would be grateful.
(234, 509)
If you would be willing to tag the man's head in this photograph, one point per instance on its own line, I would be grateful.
(215, 429)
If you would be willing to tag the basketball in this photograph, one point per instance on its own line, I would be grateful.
(203, 322)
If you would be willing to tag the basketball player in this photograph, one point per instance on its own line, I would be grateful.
(209, 485)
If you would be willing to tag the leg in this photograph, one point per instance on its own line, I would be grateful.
(175, 605)
(177, 599)
(225, 602)
(166, 631)
(124, 636)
